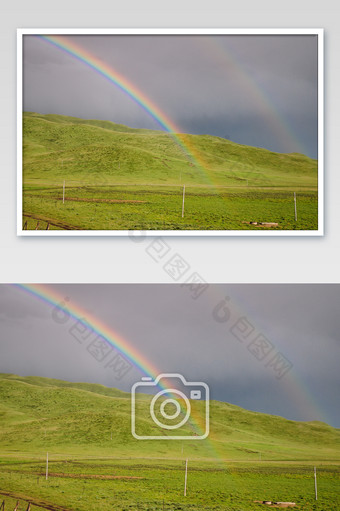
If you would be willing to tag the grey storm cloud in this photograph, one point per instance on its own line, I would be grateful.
(15, 307)
(176, 333)
(236, 86)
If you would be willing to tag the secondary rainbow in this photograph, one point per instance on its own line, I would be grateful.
(294, 386)
(224, 53)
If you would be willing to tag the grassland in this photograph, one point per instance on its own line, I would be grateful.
(95, 463)
(119, 178)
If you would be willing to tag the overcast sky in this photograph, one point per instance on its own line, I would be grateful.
(198, 338)
(255, 90)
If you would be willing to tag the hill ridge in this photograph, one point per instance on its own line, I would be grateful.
(60, 415)
(121, 152)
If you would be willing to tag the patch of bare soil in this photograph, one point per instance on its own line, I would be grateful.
(84, 199)
(276, 504)
(87, 476)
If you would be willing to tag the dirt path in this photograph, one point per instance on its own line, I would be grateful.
(83, 199)
(86, 476)
(51, 221)
(36, 502)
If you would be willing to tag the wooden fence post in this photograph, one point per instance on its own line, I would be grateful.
(186, 477)
(183, 201)
(315, 485)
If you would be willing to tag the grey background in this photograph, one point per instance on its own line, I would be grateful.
(179, 334)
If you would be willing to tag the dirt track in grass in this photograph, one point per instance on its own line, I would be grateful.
(86, 476)
(81, 199)
(36, 502)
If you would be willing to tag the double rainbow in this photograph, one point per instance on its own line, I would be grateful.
(295, 387)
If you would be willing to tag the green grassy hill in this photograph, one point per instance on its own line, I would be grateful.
(57, 147)
(39, 414)
(120, 178)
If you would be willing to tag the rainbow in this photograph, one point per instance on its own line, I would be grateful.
(223, 51)
(294, 386)
(49, 296)
(131, 90)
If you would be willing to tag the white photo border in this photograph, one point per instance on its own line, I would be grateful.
(173, 31)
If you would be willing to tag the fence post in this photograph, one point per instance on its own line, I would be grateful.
(186, 476)
(183, 201)
(315, 485)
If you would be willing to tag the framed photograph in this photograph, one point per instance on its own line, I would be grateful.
(170, 132)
